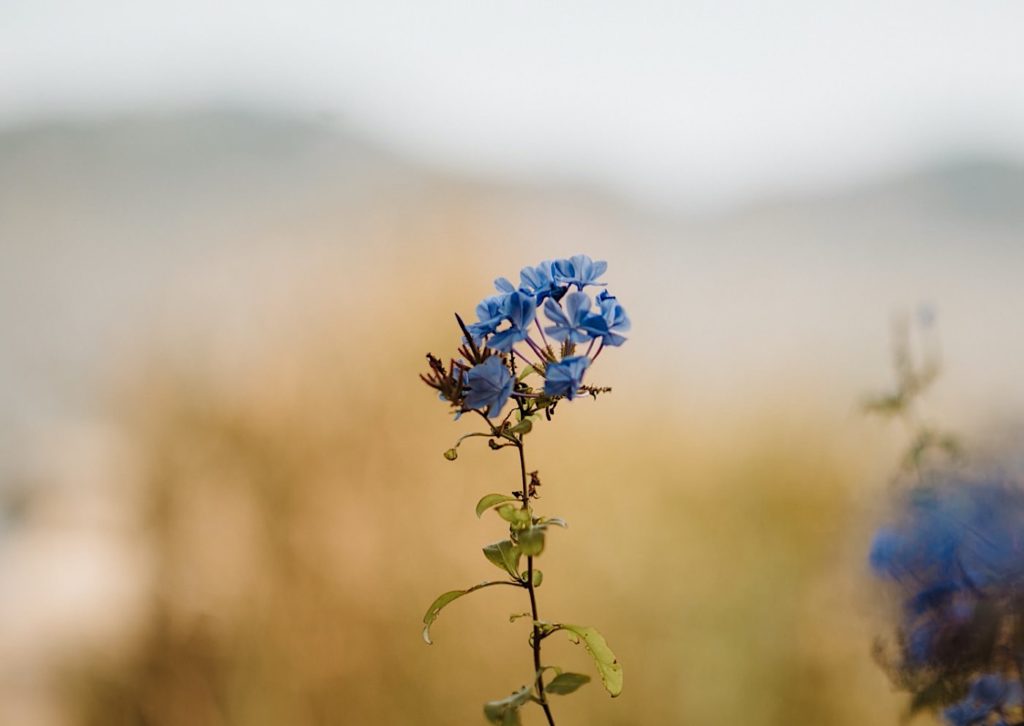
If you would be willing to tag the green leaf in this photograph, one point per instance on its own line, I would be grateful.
(557, 521)
(538, 577)
(608, 667)
(435, 609)
(491, 500)
(506, 711)
(505, 556)
(531, 541)
(444, 599)
(565, 683)
(451, 454)
(516, 516)
(523, 427)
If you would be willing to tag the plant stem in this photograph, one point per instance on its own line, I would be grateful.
(536, 639)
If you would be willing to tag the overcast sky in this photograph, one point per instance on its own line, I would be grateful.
(674, 101)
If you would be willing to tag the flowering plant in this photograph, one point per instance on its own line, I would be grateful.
(508, 357)
(954, 554)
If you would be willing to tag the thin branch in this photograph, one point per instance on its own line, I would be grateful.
(535, 640)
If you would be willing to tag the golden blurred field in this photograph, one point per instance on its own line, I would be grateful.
(297, 517)
(243, 520)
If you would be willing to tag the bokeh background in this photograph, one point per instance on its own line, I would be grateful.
(230, 231)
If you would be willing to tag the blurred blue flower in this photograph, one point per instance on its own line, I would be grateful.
(962, 534)
(988, 694)
(921, 642)
(611, 317)
(519, 309)
(488, 385)
(578, 270)
(569, 324)
(956, 554)
(565, 377)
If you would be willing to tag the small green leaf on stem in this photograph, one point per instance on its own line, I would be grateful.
(435, 609)
(523, 427)
(531, 541)
(505, 712)
(565, 683)
(538, 577)
(452, 454)
(444, 599)
(608, 666)
(491, 500)
(517, 517)
(504, 555)
(557, 521)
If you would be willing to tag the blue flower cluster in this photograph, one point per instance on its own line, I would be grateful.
(957, 557)
(504, 323)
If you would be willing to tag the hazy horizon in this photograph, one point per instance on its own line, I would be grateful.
(684, 103)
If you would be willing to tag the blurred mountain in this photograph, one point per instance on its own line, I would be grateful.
(105, 226)
(161, 153)
(98, 219)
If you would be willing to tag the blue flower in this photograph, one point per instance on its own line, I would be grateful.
(579, 270)
(540, 282)
(569, 324)
(565, 377)
(504, 286)
(490, 314)
(611, 317)
(488, 385)
(519, 309)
